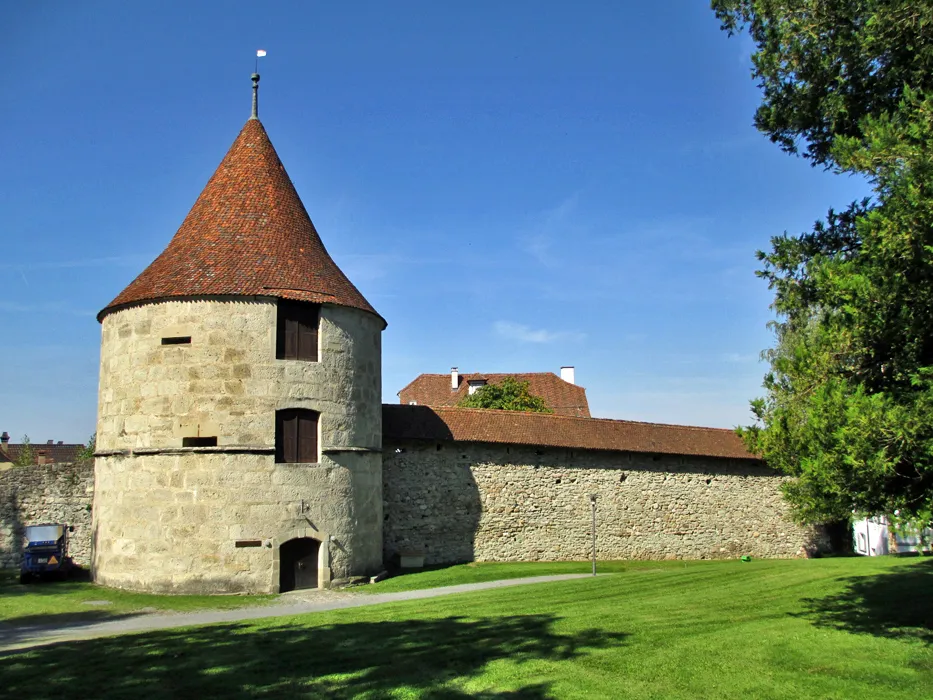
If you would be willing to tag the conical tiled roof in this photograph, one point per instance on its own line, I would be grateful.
(247, 234)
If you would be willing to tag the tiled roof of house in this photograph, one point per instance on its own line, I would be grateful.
(564, 398)
(48, 453)
(547, 430)
(247, 234)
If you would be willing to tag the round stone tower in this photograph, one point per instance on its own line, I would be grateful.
(239, 420)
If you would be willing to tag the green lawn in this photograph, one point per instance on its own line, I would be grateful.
(478, 572)
(75, 601)
(825, 628)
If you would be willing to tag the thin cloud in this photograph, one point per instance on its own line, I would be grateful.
(44, 308)
(747, 47)
(367, 267)
(740, 358)
(526, 334)
(552, 224)
(115, 260)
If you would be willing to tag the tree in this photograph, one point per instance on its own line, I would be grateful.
(849, 394)
(86, 454)
(825, 65)
(849, 405)
(26, 456)
(508, 395)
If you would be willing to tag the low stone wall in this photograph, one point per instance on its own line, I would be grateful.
(485, 502)
(48, 493)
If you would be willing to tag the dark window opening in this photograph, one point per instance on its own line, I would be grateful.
(298, 564)
(296, 331)
(199, 442)
(296, 435)
(177, 340)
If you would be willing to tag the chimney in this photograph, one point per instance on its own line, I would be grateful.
(5, 443)
(566, 373)
(50, 442)
(454, 379)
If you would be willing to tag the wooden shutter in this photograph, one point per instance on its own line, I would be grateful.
(286, 332)
(296, 436)
(291, 338)
(286, 442)
(307, 437)
(296, 331)
(307, 335)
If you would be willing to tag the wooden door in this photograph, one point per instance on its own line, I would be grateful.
(298, 564)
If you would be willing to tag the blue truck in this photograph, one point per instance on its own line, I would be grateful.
(45, 553)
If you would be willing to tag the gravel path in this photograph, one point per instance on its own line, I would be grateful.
(296, 603)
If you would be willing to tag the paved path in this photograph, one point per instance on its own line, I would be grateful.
(297, 603)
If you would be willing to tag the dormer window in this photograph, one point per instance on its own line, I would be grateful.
(475, 384)
(296, 331)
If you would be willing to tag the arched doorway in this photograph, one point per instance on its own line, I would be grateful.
(298, 564)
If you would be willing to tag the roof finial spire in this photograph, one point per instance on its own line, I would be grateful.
(255, 114)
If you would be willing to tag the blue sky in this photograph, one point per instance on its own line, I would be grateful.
(514, 186)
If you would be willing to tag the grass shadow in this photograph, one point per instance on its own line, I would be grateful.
(23, 629)
(10, 585)
(427, 658)
(896, 604)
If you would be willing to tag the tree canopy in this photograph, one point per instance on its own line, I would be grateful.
(825, 65)
(508, 395)
(849, 394)
(86, 454)
(27, 455)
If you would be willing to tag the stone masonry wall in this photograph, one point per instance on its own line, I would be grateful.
(167, 516)
(483, 502)
(227, 381)
(169, 523)
(464, 502)
(48, 493)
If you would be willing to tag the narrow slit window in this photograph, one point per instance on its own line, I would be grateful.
(296, 336)
(296, 436)
(199, 441)
(177, 340)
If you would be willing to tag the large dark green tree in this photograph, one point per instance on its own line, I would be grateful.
(848, 408)
(825, 65)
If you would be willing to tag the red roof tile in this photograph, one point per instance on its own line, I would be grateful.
(247, 234)
(547, 430)
(563, 398)
(57, 452)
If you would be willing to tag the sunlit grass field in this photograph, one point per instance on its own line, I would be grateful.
(827, 628)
